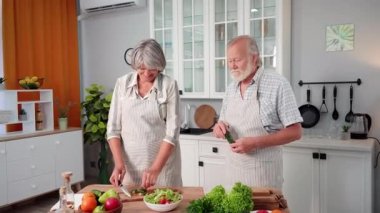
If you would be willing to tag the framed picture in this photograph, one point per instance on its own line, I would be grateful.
(340, 37)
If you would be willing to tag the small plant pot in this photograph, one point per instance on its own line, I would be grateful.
(62, 123)
(345, 136)
(22, 117)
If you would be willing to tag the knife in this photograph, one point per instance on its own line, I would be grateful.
(124, 189)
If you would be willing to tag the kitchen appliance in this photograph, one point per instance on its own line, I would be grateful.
(360, 126)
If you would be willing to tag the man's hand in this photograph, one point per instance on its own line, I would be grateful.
(220, 129)
(244, 145)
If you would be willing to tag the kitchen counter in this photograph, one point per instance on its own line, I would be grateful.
(17, 136)
(189, 194)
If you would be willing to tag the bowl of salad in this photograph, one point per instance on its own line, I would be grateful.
(163, 200)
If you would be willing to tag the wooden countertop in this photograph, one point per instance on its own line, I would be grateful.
(189, 194)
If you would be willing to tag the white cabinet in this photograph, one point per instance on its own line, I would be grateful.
(33, 165)
(29, 101)
(203, 162)
(322, 180)
(69, 156)
(194, 35)
(3, 175)
(212, 169)
(189, 162)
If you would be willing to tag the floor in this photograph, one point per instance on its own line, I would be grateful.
(40, 204)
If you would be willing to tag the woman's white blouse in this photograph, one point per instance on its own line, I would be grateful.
(164, 91)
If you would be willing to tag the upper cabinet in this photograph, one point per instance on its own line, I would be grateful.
(194, 35)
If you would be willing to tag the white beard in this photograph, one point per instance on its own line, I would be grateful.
(239, 75)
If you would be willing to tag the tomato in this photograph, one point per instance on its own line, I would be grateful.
(163, 201)
(88, 204)
(88, 195)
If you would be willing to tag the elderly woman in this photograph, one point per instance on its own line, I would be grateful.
(143, 123)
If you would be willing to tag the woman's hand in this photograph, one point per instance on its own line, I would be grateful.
(117, 175)
(149, 178)
(220, 129)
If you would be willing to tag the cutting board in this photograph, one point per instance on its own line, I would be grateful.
(205, 116)
(270, 199)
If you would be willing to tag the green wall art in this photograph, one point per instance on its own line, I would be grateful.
(340, 37)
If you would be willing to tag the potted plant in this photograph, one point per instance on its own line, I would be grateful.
(345, 135)
(2, 80)
(22, 115)
(63, 111)
(95, 110)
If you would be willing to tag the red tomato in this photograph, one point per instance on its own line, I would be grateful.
(163, 201)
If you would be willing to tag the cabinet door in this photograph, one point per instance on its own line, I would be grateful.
(3, 175)
(226, 22)
(193, 48)
(212, 172)
(345, 182)
(69, 156)
(164, 30)
(189, 159)
(301, 179)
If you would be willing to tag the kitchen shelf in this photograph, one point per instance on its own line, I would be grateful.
(30, 101)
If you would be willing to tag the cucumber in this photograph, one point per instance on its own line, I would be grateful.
(229, 137)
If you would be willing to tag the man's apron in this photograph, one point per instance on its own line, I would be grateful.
(262, 167)
(142, 132)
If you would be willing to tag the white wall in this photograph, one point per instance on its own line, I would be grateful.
(310, 61)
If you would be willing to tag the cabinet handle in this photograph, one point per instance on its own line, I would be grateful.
(33, 166)
(315, 155)
(215, 149)
(323, 156)
(200, 163)
(33, 186)
(58, 142)
(32, 147)
(2, 151)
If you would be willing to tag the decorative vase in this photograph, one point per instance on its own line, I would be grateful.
(62, 123)
(345, 136)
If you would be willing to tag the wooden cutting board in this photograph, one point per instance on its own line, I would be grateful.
(264, 198)
(205, 116)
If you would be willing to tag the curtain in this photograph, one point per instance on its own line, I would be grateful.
(40, 39)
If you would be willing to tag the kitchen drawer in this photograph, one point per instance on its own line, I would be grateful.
(23, 189)
(213, 148)
(27, 168)
(30, 147)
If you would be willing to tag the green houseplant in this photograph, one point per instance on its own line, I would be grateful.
(95, 110)
(2, 80)
(63, 111)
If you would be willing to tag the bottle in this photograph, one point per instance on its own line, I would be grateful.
(39, 119)
(70, 200)
(62, 200)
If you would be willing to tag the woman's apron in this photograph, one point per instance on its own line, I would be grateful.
(262, 167)
(142, 132)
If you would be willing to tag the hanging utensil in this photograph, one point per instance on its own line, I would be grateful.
(350, 115)
(323, 108)
(310, 114)
(335, 114)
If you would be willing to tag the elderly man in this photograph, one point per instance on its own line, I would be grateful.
(261, 114)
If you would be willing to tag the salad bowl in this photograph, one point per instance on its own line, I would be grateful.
(163, 200)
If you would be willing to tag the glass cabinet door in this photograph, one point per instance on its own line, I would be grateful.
(164, 31)
(193, 48)
(226, 23)
(262, 21)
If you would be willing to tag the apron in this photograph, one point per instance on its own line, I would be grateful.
(262, 167)
(142, 132)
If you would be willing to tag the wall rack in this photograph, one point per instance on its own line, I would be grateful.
(358, 81)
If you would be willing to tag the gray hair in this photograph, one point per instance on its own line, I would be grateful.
(252, 46)
(148, 53)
